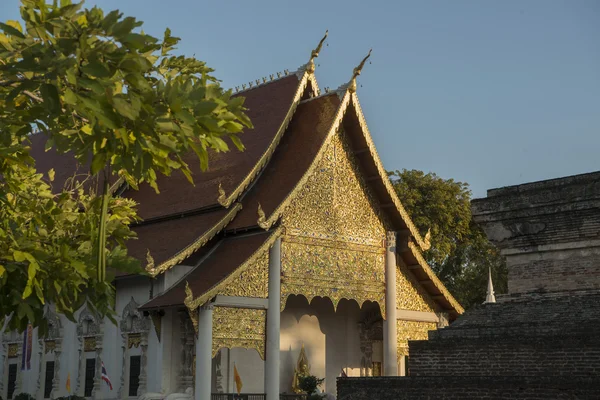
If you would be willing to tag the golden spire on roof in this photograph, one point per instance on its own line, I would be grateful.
(310, 66)
(356, 72)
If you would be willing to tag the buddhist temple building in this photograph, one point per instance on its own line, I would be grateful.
(294, 256)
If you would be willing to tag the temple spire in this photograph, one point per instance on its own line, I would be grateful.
(310, 66)
(489, 297)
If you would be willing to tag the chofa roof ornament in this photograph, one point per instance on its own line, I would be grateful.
(356, 72)
(310, 65)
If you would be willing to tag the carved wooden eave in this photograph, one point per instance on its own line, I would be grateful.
(432, 279)
(195, 245)
(193, 301)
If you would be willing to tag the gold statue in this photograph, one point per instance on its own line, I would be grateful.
(302, 369)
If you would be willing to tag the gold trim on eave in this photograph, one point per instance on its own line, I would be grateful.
(195, 245)
(193, 303)
(436, 281)
(226, 201)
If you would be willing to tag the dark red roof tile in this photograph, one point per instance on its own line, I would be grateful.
(227, 256)
(297, 150)
(267, 108)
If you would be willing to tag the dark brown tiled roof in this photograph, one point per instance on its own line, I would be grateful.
(297, 150)
(64, 164)
(267, 108)
(167, 238)
(227, 256)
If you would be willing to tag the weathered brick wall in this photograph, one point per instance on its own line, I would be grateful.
(566, 356)
(549, 232)
(555, 271)
(462, 388)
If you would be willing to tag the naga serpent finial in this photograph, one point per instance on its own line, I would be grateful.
(310, 66)
(149, 262)
(222, 199)
(356, 72)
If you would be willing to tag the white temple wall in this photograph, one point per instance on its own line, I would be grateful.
(139, 289)
(331, 340)
(169, 353)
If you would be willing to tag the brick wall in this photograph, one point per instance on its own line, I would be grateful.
(462, 388)
(566, 356)
(555, 271)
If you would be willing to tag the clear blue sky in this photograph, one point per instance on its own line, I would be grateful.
(492, 93)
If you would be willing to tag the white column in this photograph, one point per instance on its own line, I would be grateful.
(204, 354)
(273, 325)
(390, 341)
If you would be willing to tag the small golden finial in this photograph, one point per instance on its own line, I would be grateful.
(271, 76)
(286, 71)
(262, 218)
(356, 72)
(251, 84)
(243, 86)
(149, 262)
(279, 74)
(257, 82)
(189, 296)
(427, 240)
(310, 67)
(222, 199)
(264, 79)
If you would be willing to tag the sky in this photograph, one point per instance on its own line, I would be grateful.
(492, 93)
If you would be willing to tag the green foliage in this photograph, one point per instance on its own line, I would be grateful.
(113, 97)
(460, 253)
(309, 385)
(24, 396)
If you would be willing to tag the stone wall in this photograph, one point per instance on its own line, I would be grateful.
(563, 356)
(549, 232)
(568, 269)
(473, 387)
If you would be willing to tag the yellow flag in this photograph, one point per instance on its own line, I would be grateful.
(69, 383)
(237, 379)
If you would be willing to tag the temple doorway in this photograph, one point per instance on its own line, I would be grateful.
(336, 341)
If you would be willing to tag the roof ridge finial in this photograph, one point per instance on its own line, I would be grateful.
(310, 66)
(356, 72)
(489, 297)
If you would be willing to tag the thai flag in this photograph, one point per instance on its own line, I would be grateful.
(105, 377)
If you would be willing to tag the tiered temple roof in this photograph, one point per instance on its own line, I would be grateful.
(233, 208)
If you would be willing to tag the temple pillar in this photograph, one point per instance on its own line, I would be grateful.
(202, 390)
(390, 334)
(273, 323)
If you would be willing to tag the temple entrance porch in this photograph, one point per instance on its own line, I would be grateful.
(345, 340)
